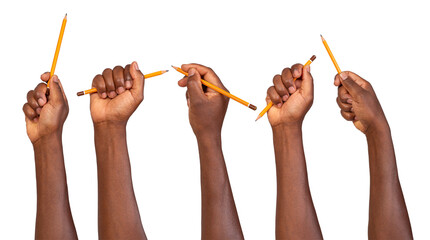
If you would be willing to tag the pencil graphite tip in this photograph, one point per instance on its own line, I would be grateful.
(322, 38)
(65, 16)
(258, 118)
(166, 70)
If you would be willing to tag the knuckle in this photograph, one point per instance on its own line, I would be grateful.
(286, 70)
(30, 94)
(107, 71)
(117, 68)
(276, 78)
(98, 78)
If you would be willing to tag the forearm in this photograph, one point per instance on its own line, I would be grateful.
(388, 216)
(295, 213)
(54, 219)
(118, 212)
(219, 216)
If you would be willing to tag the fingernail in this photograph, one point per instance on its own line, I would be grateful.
(120, 90)
(55, 79)
(104, 95)
(349, 100)
(128, 84)
(279, 105)
(112, 94)
(291, 89)
(41, 102)
(296, 73)
(38, 110)
(136, 66)
(343, 76)
(308, 69)
(285, 98)
(191, 72)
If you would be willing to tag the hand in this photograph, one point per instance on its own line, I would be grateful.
(358, 102)
(119, 93)
(207, 107)
(291, 99)
(45, 115)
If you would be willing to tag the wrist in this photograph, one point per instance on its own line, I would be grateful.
(378, 129)
(287, 127)
(287, 131)
(47, 139)
(109, 125)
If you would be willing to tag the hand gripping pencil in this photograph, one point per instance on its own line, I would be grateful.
(94, 90)
(336, 66)
(270, 103)
(219, 90)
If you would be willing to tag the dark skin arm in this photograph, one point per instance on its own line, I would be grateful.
(119, 93)
(44, 117)
(295, 213)
(388, 215)
(207, 110)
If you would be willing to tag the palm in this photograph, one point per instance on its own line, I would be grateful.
(118, 109)
(293, 110)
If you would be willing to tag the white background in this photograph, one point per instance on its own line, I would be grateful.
(246, 43)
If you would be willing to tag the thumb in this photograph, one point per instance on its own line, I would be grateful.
(56, 93)
(194, 85)
(350, 85)
(138, 80)
(307, 82)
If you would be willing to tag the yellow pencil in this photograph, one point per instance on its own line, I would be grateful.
(57, 50)
(270, 104)
(330, 54)
(150, 75)
(219, 90)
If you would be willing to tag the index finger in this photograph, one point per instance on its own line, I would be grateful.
(297, 70)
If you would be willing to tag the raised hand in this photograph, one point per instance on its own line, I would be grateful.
(291, 99)
(207, 107)
(207, 110)
(358, 103)
(45, 115)
(119, 93)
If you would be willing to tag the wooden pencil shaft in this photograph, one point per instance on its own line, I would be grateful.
(149, 75)
(219, 90)
(57, 49)
(331, 56)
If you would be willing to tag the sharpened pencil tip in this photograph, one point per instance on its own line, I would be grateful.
(258, 118)
(166, 70)
(322, 38)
